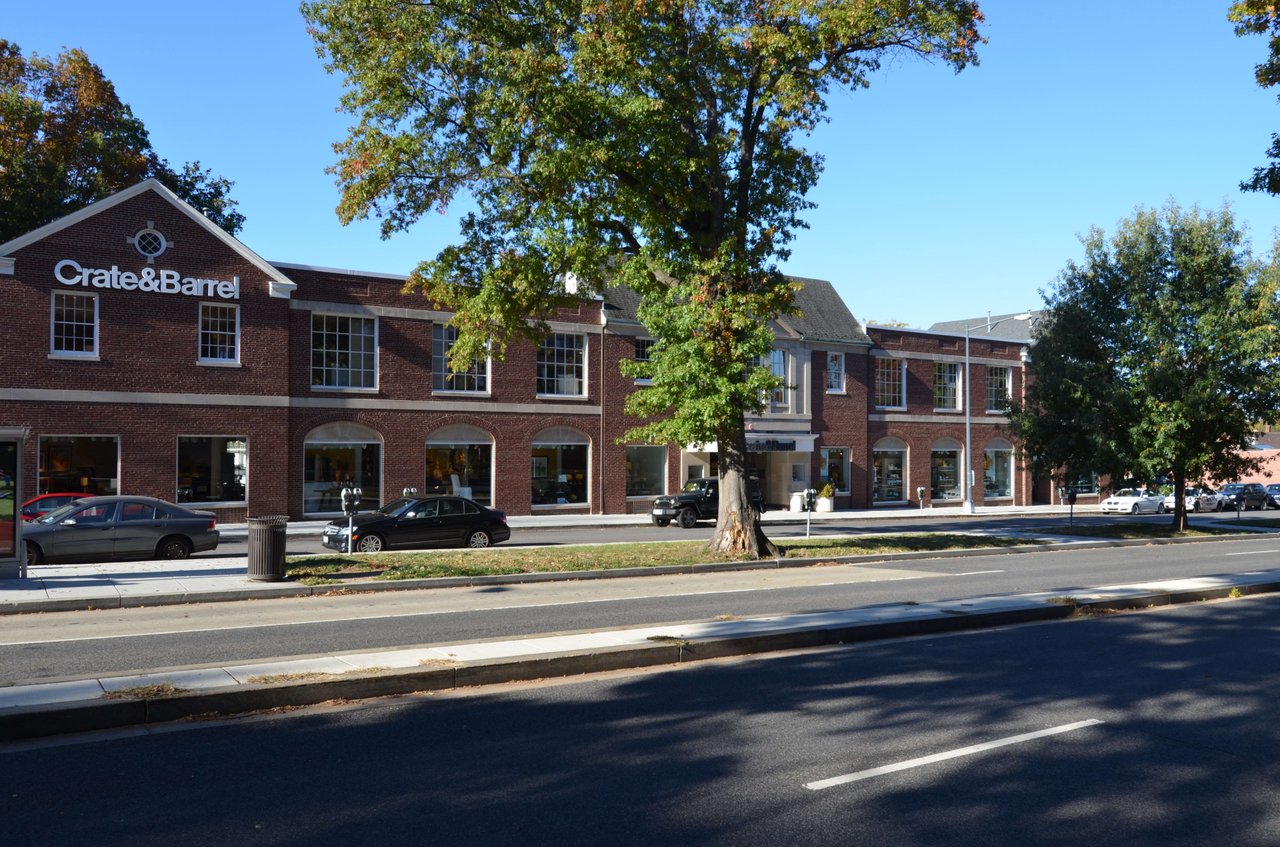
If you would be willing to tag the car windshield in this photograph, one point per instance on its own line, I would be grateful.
(693, 485)
(1232, 488)
(1126, 492)
(60, 514)
(396, 507)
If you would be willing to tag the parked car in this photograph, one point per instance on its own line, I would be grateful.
(1133, 501)
(699, 501)
(1244, 496)
(119, 527)
(1197, 499)
(419, 522)
(43, 504)
(1273, 494)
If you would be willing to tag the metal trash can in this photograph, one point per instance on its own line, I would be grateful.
(266, 547)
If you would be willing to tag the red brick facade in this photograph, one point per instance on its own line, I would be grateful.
(142, 390)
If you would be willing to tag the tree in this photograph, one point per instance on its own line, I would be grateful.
(68, 141)
(1158, 354)
(648, 144)
(1260, 17)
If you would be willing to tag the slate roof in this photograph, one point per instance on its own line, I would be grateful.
(1009, 330)
(821, 314)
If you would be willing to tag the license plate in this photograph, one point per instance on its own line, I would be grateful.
(662, 513)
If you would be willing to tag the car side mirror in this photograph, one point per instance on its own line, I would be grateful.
(69, 522)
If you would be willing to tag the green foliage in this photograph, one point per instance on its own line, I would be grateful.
(827, 490)
(1158, 353)
(68, 140)
(1259, 17)
(655, 144)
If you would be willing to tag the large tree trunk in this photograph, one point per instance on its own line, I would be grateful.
(738, 532)
(1179, 499)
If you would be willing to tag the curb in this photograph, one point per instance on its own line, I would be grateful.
(770, 635)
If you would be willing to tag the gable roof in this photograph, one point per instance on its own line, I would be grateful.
(280, 285)
(1008, 329)
(821, 314)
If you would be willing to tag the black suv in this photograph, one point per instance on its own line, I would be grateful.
(1244, 495)
(700, 501)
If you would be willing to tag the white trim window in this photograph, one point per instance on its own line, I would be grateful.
(562, 365)
(999, 389)
(946, 386)
(219, 334)
(73, 325)
(643, 346)
(835, 373)
(891, 382)
(344, 352)
(474, 380)
(781, 399)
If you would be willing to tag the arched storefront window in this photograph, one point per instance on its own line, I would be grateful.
(459, 460)
(337, 456)
(944, 470)
(560, 467)
(889, 471)
(997, 470)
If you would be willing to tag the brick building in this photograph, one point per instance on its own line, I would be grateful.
(178, 363)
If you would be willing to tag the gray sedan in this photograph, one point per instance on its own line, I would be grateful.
(119, 528)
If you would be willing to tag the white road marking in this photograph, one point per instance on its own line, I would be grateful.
(1252, 553)
(952, 754)
(976, 573)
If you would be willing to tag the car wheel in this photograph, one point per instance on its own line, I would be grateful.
(1134, 509)
(479, 538)
(174, 547)
(33, 554)
(1160, 508)
(661, 522)
(688, 520)
(369, 544)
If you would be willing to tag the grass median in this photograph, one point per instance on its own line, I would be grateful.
(566, 559)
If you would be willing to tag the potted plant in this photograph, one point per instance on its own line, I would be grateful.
(826, 498)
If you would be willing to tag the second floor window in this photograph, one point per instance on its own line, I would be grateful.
(889, 392)
(344, 352)
(946, 385)
(74, 324)
(475, 378)
(835, 373)
(562, 365)
(219, 333)
(643, 345)
(778, 367)
(997, 389)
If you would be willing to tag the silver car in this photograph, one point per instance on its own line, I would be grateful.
(119, 528)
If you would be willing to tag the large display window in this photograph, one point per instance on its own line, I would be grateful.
(8, 497)
(889, 472)
(646, 471)
(87, 464)
(338, 456)
(559, 468)
(212, 468)
(459, 460)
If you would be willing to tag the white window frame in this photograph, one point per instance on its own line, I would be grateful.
(957, 386)
(481, 369)
(780, 366)
(312, 348)
(54, 352)
(540, 362)
(648, 345)
(987, 458)
(832, 370)
(200, 335)
(902, 382)
(1007, 390)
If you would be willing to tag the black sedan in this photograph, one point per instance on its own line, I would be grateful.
(119, 528)
(420, 522)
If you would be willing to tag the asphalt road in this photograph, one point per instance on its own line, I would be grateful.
(1146, 728)
(36, 647)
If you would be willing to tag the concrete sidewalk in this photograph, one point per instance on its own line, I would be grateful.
(80, 705)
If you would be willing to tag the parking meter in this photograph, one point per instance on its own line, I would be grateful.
(1071, 501)
(351, 505)
(920, 495)
(810, 501)
(409, 492)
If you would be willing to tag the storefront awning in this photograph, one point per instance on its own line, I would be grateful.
(766, 442)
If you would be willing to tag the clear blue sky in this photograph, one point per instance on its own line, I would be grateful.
(944, 197)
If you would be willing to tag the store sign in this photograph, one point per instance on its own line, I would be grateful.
(771, 445)
(71, 272)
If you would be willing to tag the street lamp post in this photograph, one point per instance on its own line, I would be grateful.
(967, 399)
